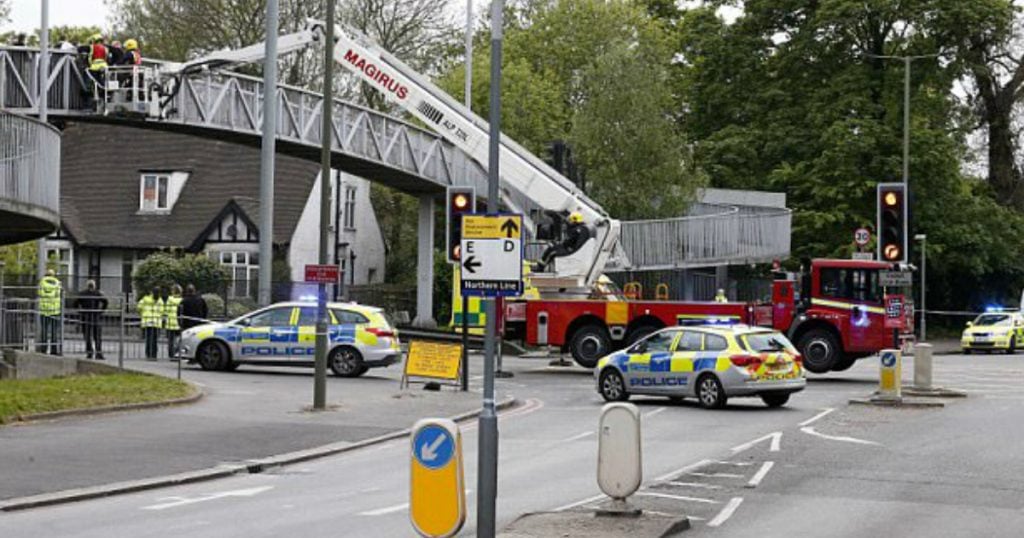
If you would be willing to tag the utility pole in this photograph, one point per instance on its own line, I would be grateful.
(267, 153)
(320, 366)
(924, 306)
(469, 54)
(487, 467)
(43, 105)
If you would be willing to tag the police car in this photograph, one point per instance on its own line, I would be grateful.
(284, 334)
(709, 363)
(995, 329)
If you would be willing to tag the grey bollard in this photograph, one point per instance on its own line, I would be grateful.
(923, 366)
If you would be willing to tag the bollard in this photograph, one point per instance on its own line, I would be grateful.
(923, 366)
(890, 375)
(619, 462)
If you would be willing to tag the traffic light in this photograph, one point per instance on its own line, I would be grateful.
(460, 200)
(892, 222)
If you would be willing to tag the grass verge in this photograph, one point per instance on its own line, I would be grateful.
(21, 397)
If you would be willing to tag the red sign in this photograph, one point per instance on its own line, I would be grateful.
(895, 306)
(322, 274)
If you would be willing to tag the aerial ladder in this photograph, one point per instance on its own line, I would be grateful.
(520, 170)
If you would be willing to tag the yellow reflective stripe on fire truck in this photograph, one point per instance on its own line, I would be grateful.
(847, 306)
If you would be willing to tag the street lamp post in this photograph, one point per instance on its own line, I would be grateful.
(924, 264)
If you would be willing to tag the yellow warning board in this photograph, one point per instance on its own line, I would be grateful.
(492, 226)
(437, 495)
(433, 359)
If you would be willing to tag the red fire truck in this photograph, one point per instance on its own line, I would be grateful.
(834, 313)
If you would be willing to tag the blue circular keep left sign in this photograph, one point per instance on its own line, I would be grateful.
(433, 447)
(888, 360)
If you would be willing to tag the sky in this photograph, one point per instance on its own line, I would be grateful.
(25, 14)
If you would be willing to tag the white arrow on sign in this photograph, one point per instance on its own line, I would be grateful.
(428, 452)
(174, 502)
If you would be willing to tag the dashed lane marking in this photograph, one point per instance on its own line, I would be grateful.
(654, 412)
(815, 418)
(174, 502)
(693, 485)
(681, 470)
(761, 473)
(577, 437)
(677, 497)
(726, 512)
(386, 510)
(715, 475)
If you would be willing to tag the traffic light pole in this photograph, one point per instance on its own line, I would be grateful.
(320, 360)
(487, 466)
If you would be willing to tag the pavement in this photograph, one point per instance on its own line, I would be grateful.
(254, 417)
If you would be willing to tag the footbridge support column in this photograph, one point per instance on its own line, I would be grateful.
(425, 265)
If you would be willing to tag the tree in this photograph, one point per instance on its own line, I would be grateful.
(19, 259)
(5, 12)
(165, 269)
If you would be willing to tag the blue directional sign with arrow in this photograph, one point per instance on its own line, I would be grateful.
(434, 447)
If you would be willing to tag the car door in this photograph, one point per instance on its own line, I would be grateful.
(303, 327)
(265, 334)
(684, 353)
(650, 361)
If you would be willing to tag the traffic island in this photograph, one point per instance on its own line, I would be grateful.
(909, 402)
(596, 524)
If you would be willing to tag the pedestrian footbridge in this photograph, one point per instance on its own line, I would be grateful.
(29, 178)
(367, 143)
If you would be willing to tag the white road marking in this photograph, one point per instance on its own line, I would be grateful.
(776, 438)
(677, 497)
(174, 502)
(759, 476)
(654, 412)
(386, 510)
(736, 463)
(715, 475)
(588, 500)
(811, 431)
(726, 512)
(815, 418)
(682, 470)
(694, 485)
(577, 437)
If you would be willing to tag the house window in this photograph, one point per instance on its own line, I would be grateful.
(60, 259)
(153, 192)
(350, 208)
(244, 268)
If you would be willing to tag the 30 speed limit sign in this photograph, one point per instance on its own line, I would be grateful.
(862, 236)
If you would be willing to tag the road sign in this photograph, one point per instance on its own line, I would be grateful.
(619, 467)
(867, 256)
(894, 312)
(492, 255)
(890, 376)
(434, 360)
(437, 497)
(862, 236)
(895, 279)
(322, 274)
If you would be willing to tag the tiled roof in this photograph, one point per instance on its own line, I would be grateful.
(101, 167)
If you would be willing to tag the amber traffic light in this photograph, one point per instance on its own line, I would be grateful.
(460, 200)
(892, 222)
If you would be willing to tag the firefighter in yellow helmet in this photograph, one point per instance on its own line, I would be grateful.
(720, 296)
(575, 235)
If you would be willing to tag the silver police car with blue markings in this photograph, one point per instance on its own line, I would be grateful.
(709, 363)
(284, 334)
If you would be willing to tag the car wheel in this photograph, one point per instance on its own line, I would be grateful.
(589, 343)
(613, 387)
(231, 366)
(346, 362)
(710, 393)
(820, 350)
(212, 355)
(639, 332)
(775, 400)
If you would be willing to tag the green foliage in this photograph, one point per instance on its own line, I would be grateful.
(163, 269)
(19, 259)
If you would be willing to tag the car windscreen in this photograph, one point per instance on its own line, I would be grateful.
(767, 342)
(993, 319)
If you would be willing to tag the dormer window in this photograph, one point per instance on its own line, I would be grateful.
(158, 191)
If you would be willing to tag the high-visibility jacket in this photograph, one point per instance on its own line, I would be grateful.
(151, 311)
(171, 313)
(97, 57)
(132, 57)
(721, 298)
(49, 296)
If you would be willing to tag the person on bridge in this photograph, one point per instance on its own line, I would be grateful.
(91, 304)
(132, 54)
(50, 295)
(151, 313)
(172, 313)
(576, 235)
(720, 296)
(97, 64)
(115, 54)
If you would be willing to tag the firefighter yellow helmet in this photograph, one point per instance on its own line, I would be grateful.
(96, 38)
(575, 218)
(131, 44)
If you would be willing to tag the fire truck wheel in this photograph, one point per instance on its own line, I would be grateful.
(613, 388)
(820, 350)
(589, 343)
